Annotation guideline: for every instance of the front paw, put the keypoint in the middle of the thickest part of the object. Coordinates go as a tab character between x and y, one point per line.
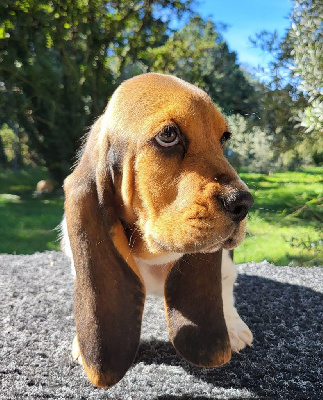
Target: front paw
239	333
76	354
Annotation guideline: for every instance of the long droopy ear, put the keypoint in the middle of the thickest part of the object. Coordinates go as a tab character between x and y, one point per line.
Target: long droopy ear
194	310
109	293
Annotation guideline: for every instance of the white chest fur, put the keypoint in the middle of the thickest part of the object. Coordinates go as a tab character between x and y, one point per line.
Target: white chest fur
154	272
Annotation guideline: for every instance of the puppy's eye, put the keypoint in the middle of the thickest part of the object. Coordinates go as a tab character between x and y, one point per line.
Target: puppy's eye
225	137
168	137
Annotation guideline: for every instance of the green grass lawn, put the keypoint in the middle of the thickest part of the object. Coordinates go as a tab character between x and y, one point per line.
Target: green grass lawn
27	223
283	226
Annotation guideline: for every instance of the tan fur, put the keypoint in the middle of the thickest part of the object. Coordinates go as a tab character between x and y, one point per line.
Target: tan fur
160	190
130	204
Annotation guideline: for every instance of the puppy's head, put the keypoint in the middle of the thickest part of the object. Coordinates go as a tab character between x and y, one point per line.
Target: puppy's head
176	190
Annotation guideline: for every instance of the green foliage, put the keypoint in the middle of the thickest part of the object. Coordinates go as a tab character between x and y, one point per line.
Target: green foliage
306	38
8	142
305	244
284	225
293	111
58	64
250	148
60	61
198	54
15	147
279	106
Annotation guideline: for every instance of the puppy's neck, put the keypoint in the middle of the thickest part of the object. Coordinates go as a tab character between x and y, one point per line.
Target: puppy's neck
152	267
159	260
154	271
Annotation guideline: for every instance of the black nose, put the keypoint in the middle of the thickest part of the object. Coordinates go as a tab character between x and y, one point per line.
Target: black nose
237	204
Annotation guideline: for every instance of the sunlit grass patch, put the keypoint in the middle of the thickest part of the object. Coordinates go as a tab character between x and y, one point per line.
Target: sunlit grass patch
284	226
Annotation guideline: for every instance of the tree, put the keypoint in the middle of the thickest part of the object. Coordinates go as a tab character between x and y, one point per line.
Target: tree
306	39
250	148
60	60
296	82
198	54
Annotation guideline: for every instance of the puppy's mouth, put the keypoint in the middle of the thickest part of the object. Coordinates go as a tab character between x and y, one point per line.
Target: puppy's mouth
228	238
205	242
230	243
236	237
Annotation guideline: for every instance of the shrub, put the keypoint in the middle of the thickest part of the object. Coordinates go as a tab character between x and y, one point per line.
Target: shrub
249	148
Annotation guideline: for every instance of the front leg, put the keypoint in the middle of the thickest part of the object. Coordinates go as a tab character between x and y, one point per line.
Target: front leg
239	333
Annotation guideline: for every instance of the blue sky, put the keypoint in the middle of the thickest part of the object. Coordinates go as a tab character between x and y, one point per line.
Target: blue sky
245	18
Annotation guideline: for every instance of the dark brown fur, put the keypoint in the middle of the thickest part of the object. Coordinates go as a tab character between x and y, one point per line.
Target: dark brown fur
194	310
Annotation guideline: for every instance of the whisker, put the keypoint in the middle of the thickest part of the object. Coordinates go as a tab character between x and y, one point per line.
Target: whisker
132	243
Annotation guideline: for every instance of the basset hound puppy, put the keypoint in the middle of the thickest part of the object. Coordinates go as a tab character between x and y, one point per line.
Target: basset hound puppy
153	207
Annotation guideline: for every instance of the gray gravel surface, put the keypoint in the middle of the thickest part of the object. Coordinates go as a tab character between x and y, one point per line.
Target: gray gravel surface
282	306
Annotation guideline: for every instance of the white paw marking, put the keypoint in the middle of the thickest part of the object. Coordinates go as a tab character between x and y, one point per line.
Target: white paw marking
76	354
239	334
